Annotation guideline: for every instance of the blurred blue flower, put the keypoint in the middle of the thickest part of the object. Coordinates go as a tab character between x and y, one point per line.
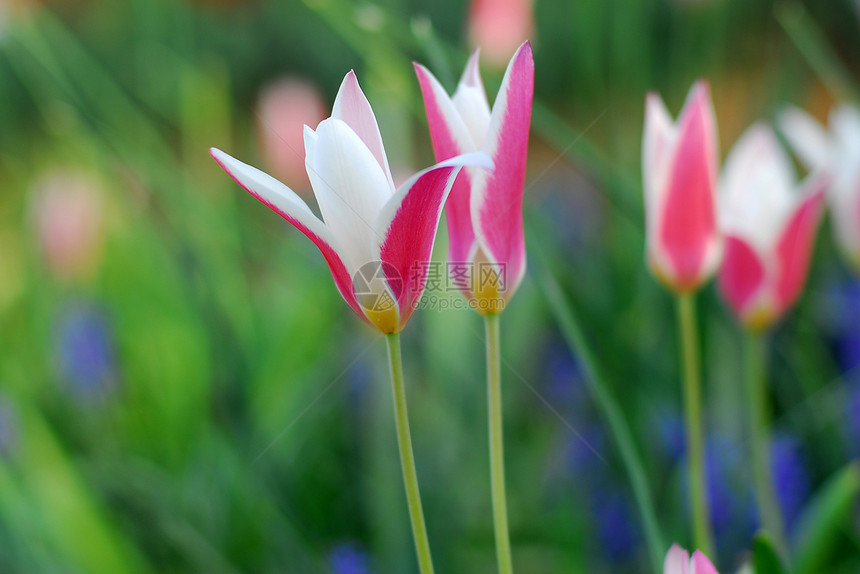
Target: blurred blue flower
617	529
671	433
349	559
582	452
843	302
85	351
562	375
790	477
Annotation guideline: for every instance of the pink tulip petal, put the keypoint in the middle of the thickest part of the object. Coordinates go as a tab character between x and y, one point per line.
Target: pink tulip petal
677	561
701	564
450	137
283	201
742	274
688	224
351	106
408	224
497	196
794	250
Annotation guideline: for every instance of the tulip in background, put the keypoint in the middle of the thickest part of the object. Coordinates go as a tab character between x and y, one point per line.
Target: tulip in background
499	26
485	221
68	214
679	174
284	107
838	151
770	227
372	236
683	244
679	561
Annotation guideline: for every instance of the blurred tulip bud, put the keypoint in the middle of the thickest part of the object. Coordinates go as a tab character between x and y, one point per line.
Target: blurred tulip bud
498	27
679	173
838	151
679	561
68	220
770	228
284	108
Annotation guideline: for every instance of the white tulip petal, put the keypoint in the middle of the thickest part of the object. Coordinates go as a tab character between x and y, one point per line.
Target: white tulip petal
350	187
757	187
274	193
470	100
807	138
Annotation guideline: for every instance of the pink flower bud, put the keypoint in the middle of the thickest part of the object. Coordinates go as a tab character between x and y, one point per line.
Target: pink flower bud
679	173
68	220
284	108
498	27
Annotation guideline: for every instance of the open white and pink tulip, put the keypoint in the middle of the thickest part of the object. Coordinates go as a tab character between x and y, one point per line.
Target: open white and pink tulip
679	171
679	561
837	150
484	212
770	222
369	229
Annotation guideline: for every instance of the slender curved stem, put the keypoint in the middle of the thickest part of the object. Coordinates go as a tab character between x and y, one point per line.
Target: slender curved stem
756	385
407	459
497	453
695	435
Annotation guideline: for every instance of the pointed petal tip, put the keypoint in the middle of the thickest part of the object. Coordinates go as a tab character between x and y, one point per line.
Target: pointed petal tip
525	47
221	157
472	73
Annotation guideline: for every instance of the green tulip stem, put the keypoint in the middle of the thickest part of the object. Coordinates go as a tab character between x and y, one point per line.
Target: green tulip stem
693	420
407	458
497	452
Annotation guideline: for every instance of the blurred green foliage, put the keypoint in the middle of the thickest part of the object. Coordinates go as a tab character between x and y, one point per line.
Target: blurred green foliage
200	400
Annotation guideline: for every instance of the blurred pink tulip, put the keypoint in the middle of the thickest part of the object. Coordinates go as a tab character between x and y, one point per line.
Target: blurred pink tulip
770	228
68	219
375	238
484	212
284	108
678	561
498	27
679	173
838	151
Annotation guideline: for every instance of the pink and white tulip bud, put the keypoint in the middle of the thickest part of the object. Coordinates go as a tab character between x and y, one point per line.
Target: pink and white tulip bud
68	219
837	151
679	173
484	212
376	239
770	228
678	561
498	27
283	109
